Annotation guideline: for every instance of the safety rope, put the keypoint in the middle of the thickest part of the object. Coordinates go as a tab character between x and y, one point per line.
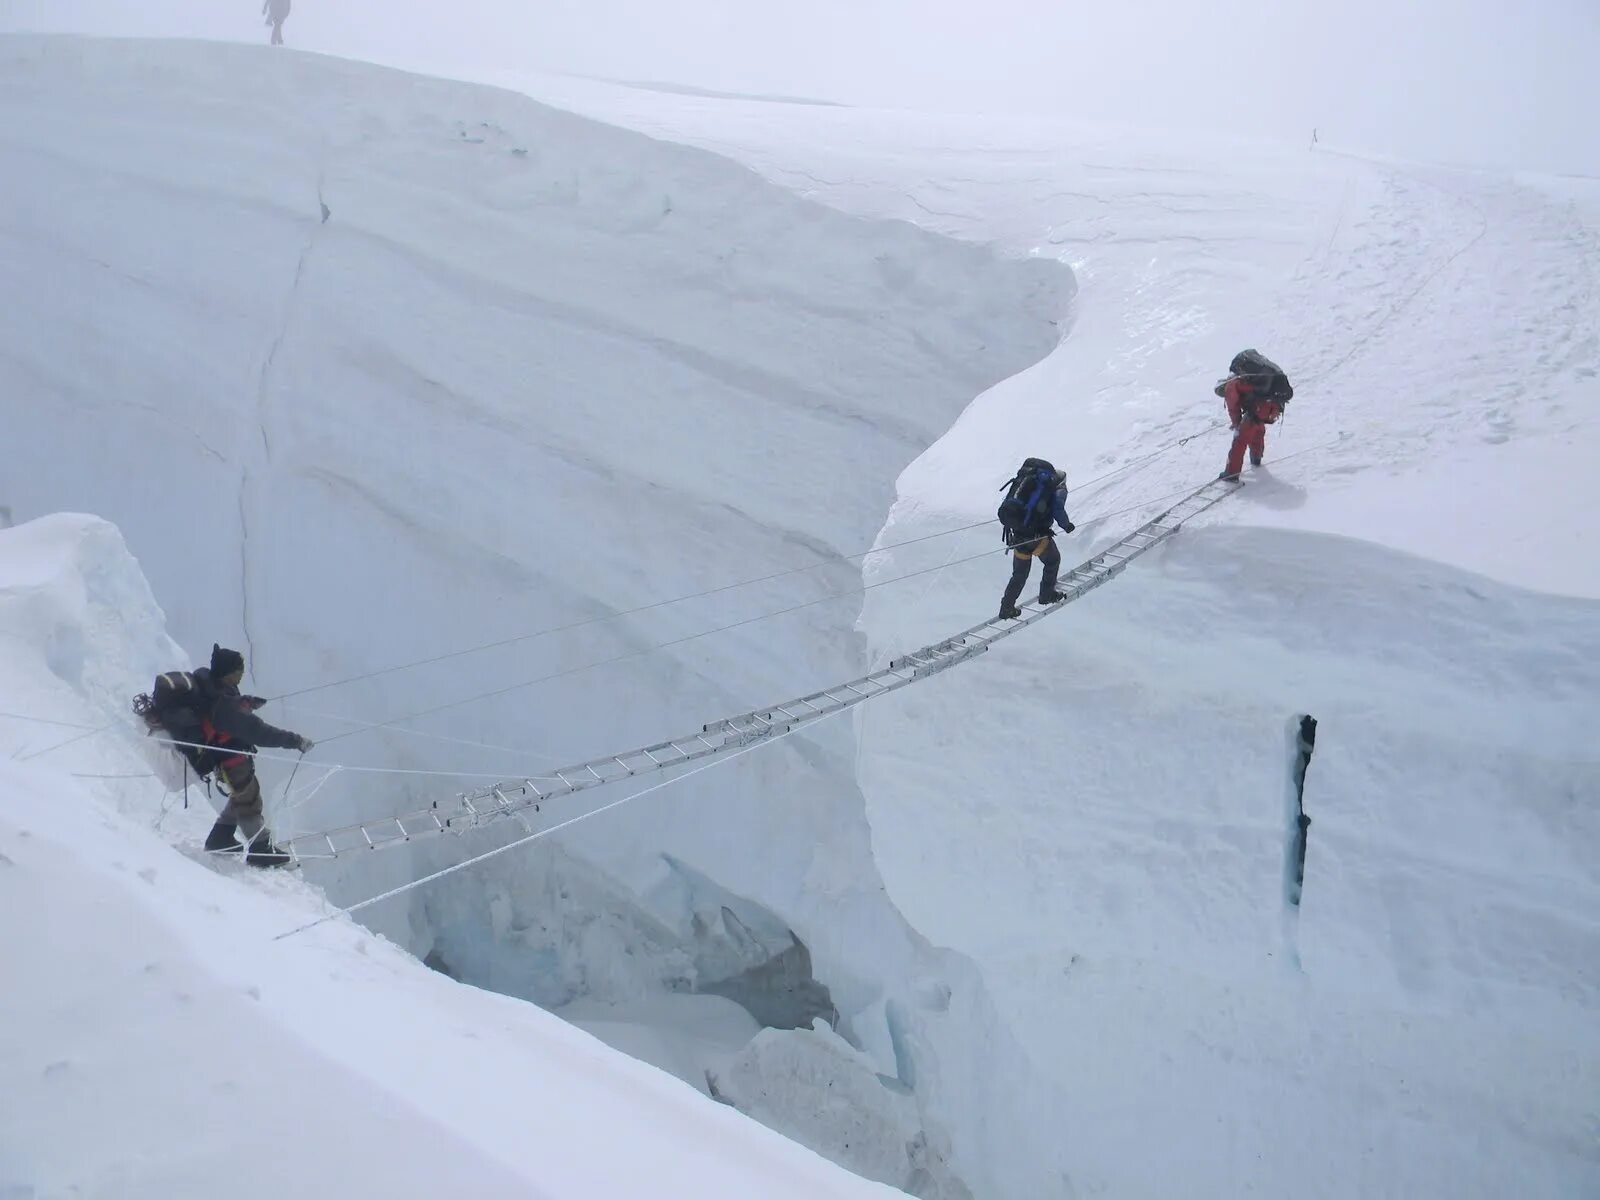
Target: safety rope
731	625
714	591
520	751
534	835
540	833
393	722
263	756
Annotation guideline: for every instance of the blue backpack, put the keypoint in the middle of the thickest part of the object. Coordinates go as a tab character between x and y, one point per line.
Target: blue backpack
1027	505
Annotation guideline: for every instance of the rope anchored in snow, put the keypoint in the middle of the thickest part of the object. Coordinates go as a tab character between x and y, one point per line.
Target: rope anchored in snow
643	651
733	735
549	631
532	835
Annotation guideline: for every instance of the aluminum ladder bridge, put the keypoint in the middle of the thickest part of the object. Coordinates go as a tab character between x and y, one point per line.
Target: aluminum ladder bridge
516	797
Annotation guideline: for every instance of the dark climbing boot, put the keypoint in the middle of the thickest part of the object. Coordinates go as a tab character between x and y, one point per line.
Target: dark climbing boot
1228	477
1255	460
1009	612
1051	597
222	838
264	854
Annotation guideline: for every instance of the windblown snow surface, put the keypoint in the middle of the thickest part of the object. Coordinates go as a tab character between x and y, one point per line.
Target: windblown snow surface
1096	814
368	367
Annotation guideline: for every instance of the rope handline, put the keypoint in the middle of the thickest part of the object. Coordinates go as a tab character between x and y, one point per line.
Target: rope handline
395	721
765	736
263	756
614	616
807	604
46	721
534	835
421	733
1172	445
546	832
89	732
71	741
727	587
290	803
642	651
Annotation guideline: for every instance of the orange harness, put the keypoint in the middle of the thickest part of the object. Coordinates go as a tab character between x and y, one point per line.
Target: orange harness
219	740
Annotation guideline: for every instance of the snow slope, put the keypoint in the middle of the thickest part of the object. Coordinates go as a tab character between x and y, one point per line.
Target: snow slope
370	367
1093	815
160	1041
1445	322
1096	813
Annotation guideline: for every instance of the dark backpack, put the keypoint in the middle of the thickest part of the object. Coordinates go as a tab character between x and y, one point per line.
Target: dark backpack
1027	505
1267	378
178	706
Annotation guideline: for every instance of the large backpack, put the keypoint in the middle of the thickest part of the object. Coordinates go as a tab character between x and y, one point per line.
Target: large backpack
178	706
1267	379
1027	505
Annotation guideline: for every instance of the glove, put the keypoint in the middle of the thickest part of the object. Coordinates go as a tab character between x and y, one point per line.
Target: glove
1068	527
306	745
252	702
1234	427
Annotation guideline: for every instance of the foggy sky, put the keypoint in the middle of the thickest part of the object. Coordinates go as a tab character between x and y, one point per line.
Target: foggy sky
1472	81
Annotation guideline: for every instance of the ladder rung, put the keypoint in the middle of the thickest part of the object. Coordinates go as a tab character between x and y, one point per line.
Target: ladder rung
489	803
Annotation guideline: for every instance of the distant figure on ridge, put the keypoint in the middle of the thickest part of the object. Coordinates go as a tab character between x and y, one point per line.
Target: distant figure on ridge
1255	393
277	12
1036	498
205	711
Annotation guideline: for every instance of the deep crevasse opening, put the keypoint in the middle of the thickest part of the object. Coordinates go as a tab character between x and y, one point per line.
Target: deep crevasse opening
1122	904
444	365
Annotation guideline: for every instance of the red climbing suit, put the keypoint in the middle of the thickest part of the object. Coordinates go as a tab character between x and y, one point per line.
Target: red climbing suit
1249	417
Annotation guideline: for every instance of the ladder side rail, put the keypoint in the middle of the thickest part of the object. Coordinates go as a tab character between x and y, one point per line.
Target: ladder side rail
729	733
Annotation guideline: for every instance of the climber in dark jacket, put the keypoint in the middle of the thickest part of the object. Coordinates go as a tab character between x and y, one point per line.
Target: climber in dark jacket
232	726
1033	538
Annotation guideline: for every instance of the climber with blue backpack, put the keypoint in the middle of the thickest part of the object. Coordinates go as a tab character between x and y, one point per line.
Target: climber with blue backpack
1036	498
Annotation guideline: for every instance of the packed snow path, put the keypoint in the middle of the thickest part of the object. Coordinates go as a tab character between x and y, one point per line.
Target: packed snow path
515	797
